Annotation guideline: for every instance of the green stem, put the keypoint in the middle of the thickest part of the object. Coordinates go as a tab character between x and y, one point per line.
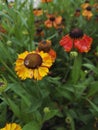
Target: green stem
54	35
76	69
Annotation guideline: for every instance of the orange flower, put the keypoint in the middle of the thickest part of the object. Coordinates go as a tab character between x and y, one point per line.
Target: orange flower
45	46
77	40
46	1
85	5
38	12
53	21
87	13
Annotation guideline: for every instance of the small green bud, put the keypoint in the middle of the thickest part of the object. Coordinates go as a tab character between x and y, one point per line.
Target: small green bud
9	43
86	71
46	110
25	32
68	120
73	54
3	85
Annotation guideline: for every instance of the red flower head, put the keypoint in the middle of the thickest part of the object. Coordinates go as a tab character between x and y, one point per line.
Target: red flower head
76	39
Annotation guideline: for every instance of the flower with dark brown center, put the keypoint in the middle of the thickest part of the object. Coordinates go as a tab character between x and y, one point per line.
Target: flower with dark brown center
87	13
32	61
44	46
85	4
37	11
76	39
33	65
53	21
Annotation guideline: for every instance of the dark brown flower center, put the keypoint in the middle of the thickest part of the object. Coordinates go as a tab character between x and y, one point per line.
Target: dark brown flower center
39	30
52	18
88	8
76	33
87	1
78	10
37	9
32	61
44	46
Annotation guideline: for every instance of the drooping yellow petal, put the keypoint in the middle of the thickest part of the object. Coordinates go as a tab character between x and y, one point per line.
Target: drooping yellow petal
23	55
47	60
43	71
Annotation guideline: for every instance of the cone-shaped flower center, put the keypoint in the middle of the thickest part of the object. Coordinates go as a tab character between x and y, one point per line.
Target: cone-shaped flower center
39	30
32	61
87	1
78	10
76	33
44	46
88	8
52	18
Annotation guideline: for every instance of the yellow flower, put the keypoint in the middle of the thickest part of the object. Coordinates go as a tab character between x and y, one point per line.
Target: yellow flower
33	65
12	126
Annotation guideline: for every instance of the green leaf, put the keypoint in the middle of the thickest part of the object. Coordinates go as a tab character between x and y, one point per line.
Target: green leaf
64	91
32	126
16	87
13	106
50	114
91	67
93	89
93	105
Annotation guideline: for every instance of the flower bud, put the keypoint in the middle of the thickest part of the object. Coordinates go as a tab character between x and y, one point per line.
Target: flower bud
3	85
73	54
46	110
68	120
25	32
9	43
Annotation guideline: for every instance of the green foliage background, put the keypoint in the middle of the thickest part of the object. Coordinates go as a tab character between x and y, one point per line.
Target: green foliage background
68	98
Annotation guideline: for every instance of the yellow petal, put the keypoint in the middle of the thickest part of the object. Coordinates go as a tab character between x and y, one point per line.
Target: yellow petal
43	71
23	55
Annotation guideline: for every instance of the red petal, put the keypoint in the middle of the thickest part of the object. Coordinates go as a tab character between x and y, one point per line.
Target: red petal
84	44
67	43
